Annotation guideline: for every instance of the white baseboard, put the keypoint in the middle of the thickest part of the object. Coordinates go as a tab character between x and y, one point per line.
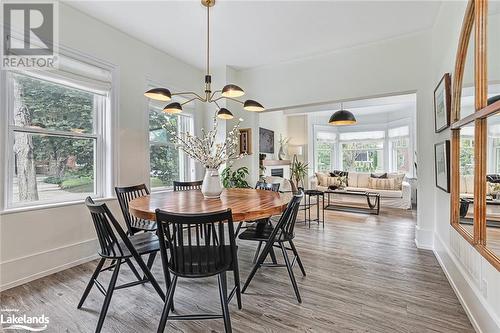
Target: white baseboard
482	318
424	238
28	268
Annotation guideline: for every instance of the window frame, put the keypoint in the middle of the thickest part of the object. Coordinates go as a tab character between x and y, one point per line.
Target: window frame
337	154
392	151
104	135
366	141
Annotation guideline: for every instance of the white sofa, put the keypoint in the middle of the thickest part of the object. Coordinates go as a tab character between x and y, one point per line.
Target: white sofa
358	181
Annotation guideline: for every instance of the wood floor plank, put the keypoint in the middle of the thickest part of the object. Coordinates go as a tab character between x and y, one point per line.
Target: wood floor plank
364	274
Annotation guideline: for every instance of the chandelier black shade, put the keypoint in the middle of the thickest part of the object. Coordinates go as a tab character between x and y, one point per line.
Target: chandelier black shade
173	108
232	90
159	94
225	114
254	106
228	92
342	117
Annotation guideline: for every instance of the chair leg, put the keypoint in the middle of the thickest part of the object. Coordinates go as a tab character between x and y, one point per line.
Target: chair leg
273	256
223	300
166	272
290	272
133	269
255	267
168	305
149	276
294	249
257	253
91	282
107	298
236	272
238	228
151	260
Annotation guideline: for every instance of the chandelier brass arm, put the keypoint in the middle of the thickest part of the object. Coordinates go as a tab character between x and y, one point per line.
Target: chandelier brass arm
229	91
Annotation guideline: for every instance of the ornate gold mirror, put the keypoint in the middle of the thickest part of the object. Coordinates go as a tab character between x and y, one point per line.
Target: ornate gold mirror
475	146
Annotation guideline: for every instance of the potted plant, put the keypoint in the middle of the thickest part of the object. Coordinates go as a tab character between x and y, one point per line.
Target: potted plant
299	171
235	179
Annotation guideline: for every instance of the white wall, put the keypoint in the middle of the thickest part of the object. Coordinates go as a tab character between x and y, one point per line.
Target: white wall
389	67
299	133
274	121
37	242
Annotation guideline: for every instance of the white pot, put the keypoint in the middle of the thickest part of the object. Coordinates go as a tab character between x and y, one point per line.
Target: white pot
211	187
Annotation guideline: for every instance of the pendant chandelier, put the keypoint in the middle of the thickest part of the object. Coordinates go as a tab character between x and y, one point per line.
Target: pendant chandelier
228	92
342	117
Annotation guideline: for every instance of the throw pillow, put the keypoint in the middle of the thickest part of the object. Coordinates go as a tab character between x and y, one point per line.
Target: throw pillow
399	177
339	173
333	181
379	175
322	178
382	183
493	178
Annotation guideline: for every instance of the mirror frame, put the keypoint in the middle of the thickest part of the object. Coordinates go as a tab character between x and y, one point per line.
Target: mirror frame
476	16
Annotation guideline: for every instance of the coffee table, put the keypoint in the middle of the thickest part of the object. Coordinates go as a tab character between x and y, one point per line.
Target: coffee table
372	201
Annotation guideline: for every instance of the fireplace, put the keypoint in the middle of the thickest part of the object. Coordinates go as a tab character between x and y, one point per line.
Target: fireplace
277	172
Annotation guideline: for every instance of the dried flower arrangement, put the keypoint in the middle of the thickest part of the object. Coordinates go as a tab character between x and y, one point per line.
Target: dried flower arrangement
205	150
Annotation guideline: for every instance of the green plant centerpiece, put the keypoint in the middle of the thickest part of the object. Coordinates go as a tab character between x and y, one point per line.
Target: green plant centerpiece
299	171
235	179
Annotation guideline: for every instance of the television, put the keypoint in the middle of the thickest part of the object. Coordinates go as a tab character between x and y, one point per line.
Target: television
266	141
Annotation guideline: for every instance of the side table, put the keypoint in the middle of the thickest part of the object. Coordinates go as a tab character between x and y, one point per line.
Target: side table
307	206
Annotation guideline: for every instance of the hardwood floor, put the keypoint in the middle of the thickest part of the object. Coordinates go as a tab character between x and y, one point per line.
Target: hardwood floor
364	274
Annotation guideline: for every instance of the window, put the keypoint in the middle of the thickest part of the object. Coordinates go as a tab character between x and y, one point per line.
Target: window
466	155
325	142
363	151
56	138
399	141
167	163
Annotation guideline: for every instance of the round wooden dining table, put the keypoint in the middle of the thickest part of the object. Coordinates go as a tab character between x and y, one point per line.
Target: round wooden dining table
245	204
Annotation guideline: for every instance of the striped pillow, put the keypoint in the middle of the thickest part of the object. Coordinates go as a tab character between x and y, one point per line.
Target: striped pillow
382	183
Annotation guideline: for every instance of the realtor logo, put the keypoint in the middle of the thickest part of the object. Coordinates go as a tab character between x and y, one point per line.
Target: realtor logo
29	35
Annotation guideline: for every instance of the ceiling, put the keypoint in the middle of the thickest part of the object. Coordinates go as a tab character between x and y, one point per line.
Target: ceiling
247	34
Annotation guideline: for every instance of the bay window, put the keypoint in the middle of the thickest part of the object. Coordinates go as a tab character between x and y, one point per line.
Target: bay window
325	143
399	142
371	150
362	151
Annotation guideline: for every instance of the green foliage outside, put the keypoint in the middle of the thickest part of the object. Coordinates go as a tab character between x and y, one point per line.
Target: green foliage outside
80	184
466	156
164	156
56	107
324	156
354	150
235	179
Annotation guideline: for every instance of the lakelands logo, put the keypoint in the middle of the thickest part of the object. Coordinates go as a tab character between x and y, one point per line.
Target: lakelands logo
29	34
15	321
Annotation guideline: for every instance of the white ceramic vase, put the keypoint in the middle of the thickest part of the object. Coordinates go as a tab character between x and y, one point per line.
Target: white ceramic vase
211	187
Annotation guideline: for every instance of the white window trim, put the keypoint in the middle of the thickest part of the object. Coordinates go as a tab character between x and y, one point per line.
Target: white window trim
387	164
109	145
